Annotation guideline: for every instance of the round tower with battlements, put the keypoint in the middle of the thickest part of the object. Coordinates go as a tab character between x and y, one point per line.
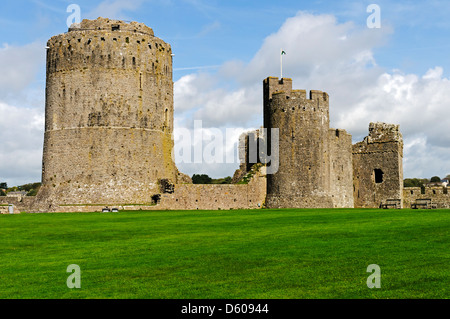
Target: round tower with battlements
108	115
303	178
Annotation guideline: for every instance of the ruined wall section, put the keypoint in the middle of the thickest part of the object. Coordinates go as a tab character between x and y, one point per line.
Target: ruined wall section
438	195
251	148
378	166
341	168
21	204
109	114
214	197
194	197
303	177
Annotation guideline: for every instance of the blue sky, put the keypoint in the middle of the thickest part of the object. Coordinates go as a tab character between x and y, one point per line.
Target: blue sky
223	50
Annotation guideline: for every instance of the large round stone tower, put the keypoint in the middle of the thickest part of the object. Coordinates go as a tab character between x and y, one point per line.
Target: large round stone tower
108	115
313	159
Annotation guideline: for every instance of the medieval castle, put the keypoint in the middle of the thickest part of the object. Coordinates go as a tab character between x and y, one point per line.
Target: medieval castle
108	137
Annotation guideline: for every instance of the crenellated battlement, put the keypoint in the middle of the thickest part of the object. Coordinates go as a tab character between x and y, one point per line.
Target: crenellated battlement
103	48
383	132
105	24
275	86
109	96
315	161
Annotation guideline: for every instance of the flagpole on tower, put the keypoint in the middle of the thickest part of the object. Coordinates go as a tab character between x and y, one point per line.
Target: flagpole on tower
281	63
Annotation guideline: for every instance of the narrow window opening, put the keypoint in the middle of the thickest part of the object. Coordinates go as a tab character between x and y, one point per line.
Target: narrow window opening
156	199
378	175
166	117
115	27
422	190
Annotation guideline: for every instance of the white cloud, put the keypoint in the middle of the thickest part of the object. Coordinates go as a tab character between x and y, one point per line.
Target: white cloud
21	113
21	136
19	66
337	58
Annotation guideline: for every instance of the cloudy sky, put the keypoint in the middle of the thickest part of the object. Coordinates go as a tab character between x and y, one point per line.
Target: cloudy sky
398	73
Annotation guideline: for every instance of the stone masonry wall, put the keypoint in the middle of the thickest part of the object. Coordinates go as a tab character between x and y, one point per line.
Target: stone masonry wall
23	204
225	196
377	166
193	197
109	115
341	168
438	195
306	177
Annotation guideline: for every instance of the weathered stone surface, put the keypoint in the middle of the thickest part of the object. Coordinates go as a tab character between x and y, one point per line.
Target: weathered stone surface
438	195
314	160
109	115
24	204
378	166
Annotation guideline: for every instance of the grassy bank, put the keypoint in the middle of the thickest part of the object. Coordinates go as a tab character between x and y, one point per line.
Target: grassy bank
287	253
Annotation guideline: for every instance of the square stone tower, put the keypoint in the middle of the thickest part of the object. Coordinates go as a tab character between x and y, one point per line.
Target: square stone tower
378	166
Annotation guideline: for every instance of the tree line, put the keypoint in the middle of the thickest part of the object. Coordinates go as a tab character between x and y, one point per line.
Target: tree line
31	188
205	179
420	182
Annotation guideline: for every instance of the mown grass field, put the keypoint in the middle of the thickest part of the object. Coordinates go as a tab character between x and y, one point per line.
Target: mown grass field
287	254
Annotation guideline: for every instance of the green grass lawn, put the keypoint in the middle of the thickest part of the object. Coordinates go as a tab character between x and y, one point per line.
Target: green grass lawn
305	253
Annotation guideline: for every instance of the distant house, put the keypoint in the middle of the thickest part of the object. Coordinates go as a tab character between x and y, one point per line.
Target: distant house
445	182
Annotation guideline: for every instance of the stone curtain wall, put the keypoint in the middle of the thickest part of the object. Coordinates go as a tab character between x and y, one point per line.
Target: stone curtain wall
436	194
25	204
225	196
191	197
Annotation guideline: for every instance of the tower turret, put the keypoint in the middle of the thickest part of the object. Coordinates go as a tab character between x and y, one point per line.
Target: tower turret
109	114
304	177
